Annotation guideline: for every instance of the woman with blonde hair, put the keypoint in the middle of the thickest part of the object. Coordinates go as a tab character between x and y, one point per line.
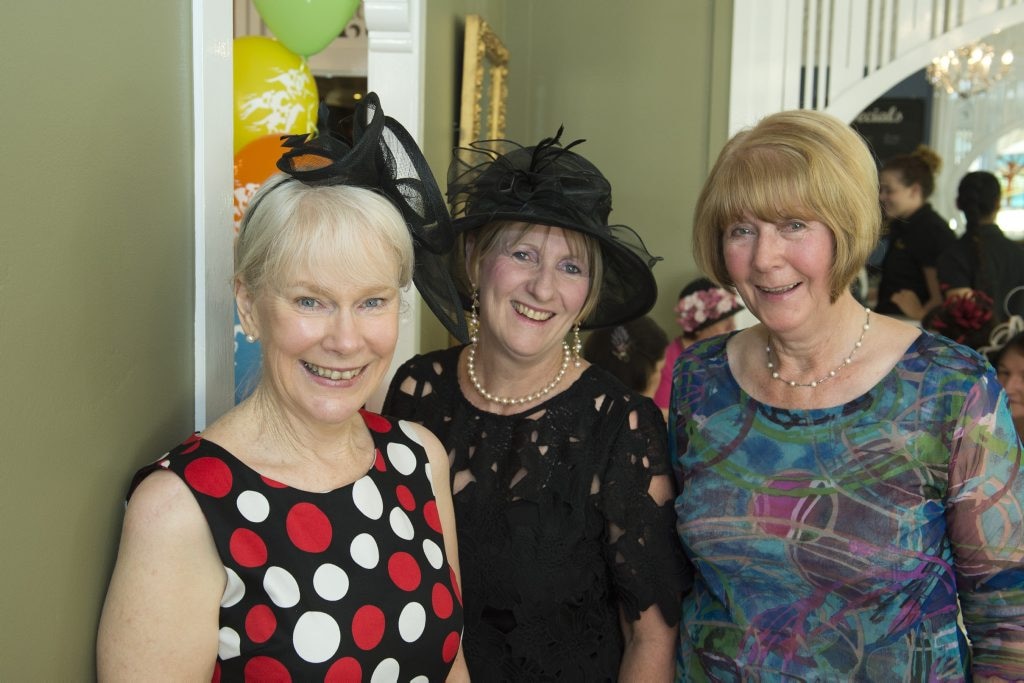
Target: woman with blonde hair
850	484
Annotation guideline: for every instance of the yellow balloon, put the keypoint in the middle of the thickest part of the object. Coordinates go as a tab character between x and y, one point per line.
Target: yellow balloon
274	91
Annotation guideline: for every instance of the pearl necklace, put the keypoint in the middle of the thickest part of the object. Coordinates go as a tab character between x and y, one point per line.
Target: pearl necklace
471	371
832	373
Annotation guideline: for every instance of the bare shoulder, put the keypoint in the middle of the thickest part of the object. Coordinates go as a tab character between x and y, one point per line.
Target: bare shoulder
431	444
162	501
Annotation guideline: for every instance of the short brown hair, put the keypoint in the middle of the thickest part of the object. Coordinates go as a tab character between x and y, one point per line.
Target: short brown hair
794	164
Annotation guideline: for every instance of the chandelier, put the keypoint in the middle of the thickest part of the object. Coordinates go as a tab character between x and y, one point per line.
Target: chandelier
968	70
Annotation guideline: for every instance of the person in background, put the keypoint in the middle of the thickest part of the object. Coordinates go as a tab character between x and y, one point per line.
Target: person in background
849	483
704	310
983	258
562	487
917	235
300	537
634	352
1009	364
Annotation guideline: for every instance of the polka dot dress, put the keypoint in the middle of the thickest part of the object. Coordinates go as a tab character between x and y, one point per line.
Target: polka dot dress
348	585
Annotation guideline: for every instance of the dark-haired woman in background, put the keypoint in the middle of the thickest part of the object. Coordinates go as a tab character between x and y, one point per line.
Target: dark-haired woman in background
634	352
983	259
917	235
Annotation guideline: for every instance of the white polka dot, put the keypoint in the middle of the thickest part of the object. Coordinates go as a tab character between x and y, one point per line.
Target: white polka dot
420	679
229	643
330	582
366	496
234	589
402	458
253	506
410	431
430	476
316	637
401	525
386	672
165	463
281	587
411	622
364	551
433	553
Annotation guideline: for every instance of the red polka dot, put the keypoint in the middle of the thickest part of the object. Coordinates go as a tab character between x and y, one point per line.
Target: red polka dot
405	497
404	571
260	623
345	670
209	475
216	673
269	669
247	548
441	599
308	528
451	646
273	483
376	423
368	627
379	463
430	514
455	584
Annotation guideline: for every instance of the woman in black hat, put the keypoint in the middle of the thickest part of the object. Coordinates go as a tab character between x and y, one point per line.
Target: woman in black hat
300	537
562	489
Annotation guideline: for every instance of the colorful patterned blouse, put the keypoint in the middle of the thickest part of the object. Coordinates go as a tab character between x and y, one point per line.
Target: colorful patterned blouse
833	544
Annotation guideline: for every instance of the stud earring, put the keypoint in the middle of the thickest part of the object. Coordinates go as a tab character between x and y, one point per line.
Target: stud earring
250	338
577	345
474	315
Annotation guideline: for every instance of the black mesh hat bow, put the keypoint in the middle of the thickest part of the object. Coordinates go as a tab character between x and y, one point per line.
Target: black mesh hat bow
382	156
550	184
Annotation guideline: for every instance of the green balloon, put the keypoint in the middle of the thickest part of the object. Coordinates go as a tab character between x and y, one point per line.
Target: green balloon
306	26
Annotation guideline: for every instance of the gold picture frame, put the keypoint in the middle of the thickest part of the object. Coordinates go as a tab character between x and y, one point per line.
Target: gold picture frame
484	83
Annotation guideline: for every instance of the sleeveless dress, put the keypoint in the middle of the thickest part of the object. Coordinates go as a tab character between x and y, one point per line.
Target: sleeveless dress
840	544
558	534
347	585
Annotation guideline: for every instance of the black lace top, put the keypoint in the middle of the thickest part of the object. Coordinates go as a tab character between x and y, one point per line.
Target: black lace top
557	530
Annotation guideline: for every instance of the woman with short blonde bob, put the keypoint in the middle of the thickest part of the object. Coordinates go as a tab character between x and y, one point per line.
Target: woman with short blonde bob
301	536
849	483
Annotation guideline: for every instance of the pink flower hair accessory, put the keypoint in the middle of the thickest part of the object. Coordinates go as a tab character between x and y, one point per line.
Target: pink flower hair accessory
702	303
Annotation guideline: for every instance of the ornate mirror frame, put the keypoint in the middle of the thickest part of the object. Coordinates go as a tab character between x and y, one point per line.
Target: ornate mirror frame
484	83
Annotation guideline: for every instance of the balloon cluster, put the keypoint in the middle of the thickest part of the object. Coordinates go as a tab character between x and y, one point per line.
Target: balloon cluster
275	95
274	90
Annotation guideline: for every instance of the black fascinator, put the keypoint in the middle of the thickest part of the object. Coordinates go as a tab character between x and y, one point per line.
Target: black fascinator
382	156
550	184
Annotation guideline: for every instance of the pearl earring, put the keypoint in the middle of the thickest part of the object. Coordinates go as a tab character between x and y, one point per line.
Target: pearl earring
250	338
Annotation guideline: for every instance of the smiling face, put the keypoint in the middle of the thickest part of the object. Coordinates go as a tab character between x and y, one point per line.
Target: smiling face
1010	371
781	270
327	342
898	199
533	285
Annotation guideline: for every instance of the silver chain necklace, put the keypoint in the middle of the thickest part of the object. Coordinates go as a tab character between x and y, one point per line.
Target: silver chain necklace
475	381
832	373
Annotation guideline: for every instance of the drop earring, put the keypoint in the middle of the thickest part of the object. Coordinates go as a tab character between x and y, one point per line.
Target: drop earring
577	345
474	315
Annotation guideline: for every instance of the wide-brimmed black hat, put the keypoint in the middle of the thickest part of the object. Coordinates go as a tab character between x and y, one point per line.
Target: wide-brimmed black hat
548	184
382	156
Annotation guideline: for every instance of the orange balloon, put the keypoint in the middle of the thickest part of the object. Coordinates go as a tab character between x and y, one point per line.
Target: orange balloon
254	163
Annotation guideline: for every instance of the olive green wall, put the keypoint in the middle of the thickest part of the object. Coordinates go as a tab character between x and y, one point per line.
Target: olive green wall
96	301
645	83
